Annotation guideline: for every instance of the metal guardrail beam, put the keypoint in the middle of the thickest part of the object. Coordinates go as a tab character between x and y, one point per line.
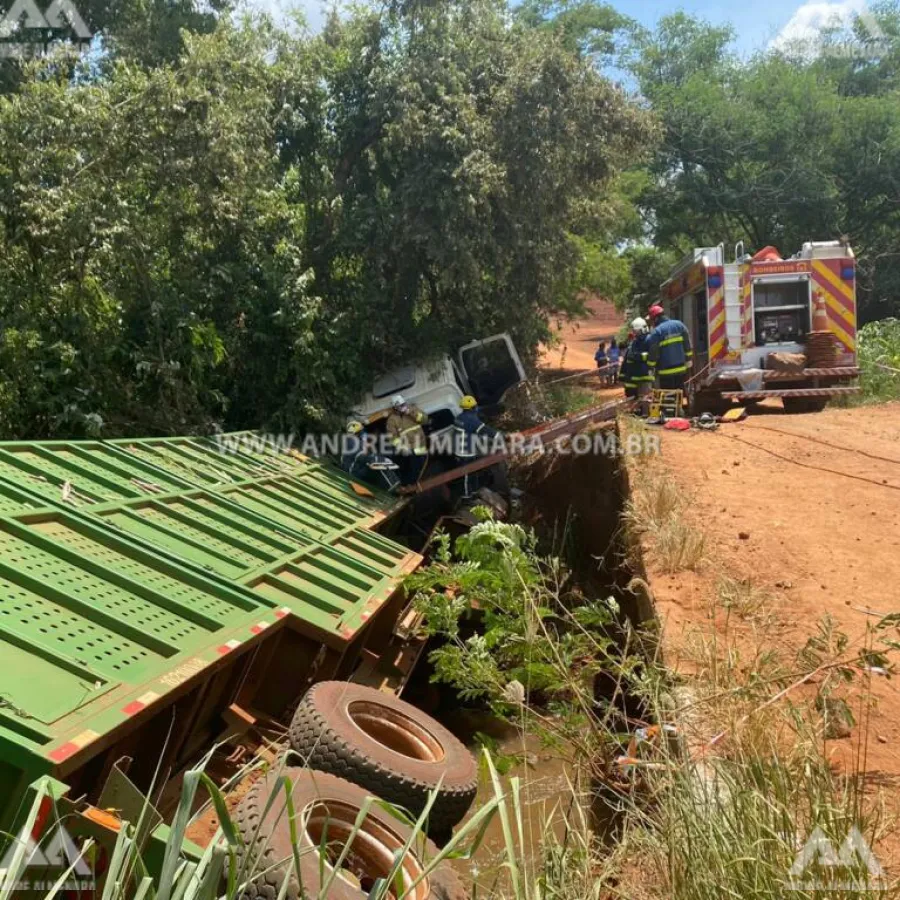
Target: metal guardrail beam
547	433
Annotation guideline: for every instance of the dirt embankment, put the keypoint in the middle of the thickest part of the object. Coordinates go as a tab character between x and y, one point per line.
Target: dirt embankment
807	509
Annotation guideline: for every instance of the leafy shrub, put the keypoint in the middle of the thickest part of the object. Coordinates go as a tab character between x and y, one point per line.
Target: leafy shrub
879	347
520	636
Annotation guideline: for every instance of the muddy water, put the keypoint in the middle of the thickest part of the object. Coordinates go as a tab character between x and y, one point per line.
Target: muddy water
547	793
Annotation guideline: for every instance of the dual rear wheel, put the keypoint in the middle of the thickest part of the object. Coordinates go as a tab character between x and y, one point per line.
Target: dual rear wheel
323	851
356	742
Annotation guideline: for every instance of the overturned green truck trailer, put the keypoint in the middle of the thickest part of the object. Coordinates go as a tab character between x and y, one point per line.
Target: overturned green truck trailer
155	594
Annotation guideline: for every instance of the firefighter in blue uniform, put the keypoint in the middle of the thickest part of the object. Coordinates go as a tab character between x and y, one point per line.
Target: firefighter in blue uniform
636	373
361	461
472	439
669	353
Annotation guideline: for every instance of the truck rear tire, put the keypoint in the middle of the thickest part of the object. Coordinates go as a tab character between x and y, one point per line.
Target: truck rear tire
327	806
388	747
804	404
708	402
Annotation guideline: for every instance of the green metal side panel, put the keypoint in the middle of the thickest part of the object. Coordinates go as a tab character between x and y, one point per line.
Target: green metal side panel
82	473
13	500
328	586
129	569
206	462
251	447
336	588
307	503
94	628
205	529
304	496
289	511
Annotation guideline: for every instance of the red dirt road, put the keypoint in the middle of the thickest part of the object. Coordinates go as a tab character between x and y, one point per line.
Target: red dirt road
577	340
821	524
817	500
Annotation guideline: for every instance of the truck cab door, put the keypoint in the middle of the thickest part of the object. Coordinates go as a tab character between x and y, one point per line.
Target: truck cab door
491	367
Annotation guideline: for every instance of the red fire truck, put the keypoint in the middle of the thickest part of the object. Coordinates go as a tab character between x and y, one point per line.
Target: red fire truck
763	326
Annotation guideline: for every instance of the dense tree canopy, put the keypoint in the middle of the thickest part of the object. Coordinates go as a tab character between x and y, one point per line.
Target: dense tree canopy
208	221
249	234
793	145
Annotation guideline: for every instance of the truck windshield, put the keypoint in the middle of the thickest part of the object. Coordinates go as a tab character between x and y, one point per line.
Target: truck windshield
394	382
491	370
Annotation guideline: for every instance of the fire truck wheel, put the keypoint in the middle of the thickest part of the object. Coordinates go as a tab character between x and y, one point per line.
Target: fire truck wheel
804	404
707	402
325	812
388	747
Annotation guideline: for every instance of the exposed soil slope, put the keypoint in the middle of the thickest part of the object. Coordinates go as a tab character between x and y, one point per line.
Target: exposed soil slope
808	508
577	340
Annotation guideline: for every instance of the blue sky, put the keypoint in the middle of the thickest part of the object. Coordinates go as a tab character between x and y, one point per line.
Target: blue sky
758	24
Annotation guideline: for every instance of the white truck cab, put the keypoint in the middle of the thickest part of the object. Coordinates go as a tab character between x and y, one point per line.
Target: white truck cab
486	369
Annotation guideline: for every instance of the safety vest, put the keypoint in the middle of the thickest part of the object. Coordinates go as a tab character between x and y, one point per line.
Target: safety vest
669	348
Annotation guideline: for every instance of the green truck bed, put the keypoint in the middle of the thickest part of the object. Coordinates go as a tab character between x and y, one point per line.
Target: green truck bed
136	576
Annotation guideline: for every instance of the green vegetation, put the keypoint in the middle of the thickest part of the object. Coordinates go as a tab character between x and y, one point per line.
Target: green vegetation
216	224
249	233
521	636
719	792
794	144
879	359
711	792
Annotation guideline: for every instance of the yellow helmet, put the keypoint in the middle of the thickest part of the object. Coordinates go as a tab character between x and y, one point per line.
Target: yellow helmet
468	402
354	427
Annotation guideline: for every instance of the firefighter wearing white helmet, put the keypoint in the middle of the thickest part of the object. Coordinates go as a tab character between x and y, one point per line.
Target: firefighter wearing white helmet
404	427
636	374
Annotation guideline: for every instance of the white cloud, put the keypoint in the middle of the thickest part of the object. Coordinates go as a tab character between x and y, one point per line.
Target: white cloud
806	25
313	10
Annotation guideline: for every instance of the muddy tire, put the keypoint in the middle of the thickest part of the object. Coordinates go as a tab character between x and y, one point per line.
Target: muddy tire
708	402
804	404
388	747
328	806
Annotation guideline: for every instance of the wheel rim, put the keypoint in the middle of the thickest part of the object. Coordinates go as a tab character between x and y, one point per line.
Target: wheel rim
396	731
368	851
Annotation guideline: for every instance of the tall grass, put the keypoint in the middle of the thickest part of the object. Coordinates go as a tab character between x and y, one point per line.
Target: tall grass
225	870
713	794
705	812
658	513
723	782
